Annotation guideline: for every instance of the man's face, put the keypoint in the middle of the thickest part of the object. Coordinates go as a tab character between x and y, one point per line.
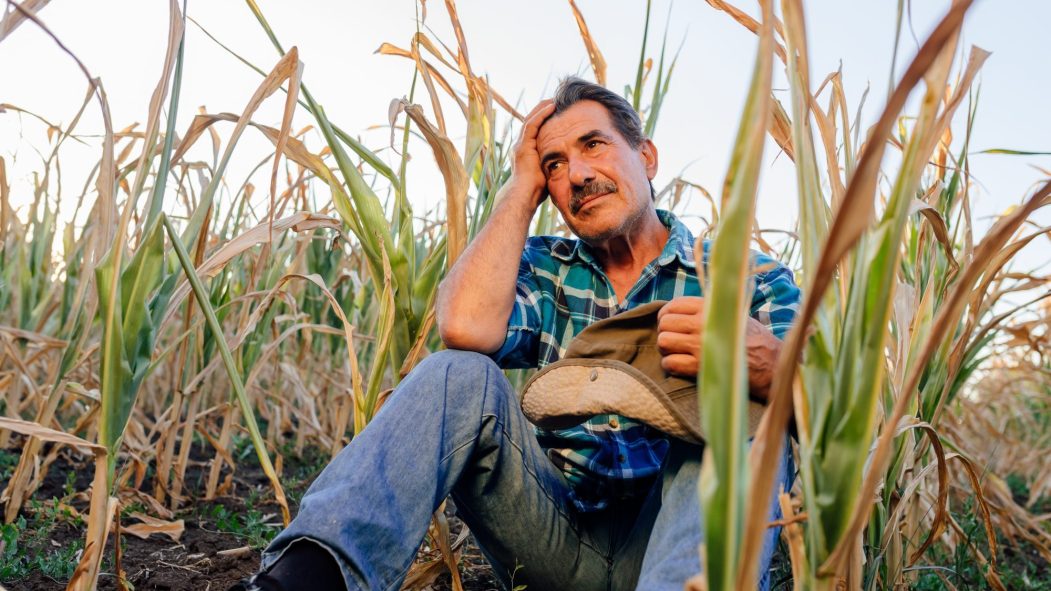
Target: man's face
597	181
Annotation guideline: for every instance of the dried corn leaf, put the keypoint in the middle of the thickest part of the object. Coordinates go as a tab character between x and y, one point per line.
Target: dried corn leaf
456	181
152	525
598	63
15	14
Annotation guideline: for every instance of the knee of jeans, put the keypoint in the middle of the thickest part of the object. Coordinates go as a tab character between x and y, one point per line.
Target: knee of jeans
465	373
465	361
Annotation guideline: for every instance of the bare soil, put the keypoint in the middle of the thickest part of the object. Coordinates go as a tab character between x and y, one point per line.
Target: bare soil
205	558
158	563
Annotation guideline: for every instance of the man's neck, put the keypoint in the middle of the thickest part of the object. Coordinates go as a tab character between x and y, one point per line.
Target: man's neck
625	256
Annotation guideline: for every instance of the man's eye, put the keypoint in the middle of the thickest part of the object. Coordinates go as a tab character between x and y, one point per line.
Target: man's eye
553	167
592	144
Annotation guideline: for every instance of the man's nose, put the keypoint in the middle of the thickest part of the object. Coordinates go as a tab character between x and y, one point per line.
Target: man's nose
580	173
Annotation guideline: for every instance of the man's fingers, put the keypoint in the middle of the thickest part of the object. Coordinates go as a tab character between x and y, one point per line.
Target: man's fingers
680	323
526	140
537	116
669	343
682	305
680	365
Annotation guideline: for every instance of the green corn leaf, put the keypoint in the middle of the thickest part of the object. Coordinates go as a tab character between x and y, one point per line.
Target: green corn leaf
370	157
371	227
430	274
636	94
843	437
723	378
377	240
385	331
114	371
156	201
137	281
660	86
128	331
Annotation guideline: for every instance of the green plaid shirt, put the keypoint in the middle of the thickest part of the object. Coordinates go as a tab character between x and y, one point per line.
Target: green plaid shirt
562	289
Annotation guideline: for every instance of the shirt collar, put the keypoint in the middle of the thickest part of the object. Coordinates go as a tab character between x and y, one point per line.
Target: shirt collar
679	245
680	242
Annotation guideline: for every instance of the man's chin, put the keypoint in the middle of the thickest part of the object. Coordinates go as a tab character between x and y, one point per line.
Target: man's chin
602	224
596	233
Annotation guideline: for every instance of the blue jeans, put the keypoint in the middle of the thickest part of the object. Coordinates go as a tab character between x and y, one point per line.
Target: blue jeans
454	427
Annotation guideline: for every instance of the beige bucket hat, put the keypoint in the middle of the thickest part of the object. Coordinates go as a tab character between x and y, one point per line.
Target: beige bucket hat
614	367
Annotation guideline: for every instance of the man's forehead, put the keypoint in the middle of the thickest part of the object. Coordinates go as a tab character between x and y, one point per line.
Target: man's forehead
578	120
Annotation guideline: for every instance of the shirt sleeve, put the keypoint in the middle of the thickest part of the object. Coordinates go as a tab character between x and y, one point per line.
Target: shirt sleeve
775	300
521	344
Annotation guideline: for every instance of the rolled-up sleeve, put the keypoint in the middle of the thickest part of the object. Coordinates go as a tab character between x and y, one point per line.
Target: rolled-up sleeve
775	300
523	327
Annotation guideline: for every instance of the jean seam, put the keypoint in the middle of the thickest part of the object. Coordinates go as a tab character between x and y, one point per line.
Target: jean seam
521	453
532	473
470	440
536	478
564	515
395	585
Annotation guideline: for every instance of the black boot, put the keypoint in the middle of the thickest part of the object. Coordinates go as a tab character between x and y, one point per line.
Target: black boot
305	566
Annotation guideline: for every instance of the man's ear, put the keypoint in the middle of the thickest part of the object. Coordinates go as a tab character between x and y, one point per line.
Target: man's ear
648	153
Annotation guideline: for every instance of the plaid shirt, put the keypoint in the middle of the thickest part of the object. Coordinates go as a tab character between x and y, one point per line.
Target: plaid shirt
562	289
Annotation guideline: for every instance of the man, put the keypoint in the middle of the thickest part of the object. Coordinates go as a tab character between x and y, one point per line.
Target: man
610	504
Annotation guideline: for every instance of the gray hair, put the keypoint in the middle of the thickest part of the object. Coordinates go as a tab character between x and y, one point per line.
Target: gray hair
572	90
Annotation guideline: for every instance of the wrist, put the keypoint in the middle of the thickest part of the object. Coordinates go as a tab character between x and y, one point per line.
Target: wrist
524	192
763	349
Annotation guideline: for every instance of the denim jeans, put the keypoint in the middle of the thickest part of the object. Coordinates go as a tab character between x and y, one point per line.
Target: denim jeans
454	427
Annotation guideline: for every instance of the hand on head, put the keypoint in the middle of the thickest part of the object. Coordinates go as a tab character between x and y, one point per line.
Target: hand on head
527	178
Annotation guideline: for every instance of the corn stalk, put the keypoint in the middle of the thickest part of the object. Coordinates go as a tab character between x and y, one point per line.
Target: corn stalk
723	383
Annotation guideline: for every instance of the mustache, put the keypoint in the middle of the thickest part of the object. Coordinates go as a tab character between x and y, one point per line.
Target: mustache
596	187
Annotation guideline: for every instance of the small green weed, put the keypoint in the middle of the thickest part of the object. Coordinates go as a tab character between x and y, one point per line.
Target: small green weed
11	564
514	587
251	525
8	462
26	546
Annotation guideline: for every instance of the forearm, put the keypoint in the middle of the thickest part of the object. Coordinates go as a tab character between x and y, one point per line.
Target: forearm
476	296
762	349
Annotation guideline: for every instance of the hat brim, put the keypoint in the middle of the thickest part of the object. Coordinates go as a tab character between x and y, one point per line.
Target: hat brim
571	391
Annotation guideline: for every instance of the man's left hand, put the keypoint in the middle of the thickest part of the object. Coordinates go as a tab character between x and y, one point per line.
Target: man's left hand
680	326
680	332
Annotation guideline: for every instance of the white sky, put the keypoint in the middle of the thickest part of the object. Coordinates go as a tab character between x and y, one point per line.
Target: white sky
524	47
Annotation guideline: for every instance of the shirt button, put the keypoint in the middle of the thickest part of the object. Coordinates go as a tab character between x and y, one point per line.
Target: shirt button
594	375
613	422
620	458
